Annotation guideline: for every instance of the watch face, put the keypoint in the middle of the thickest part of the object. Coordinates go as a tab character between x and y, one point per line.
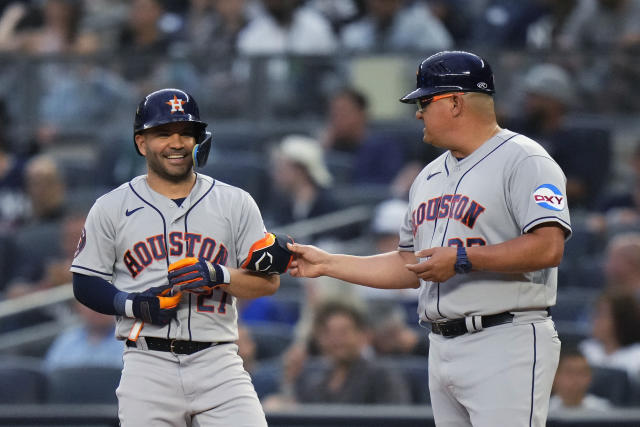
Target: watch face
462	266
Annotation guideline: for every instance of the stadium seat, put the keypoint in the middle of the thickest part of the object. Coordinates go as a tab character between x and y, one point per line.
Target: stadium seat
22	380
267	376
83	384
271	338
574	304
241	168
415	371
612	384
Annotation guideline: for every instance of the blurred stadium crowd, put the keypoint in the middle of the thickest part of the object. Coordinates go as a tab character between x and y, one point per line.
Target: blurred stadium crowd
302	100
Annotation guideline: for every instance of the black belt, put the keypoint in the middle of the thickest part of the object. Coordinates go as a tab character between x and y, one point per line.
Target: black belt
175	346
455	328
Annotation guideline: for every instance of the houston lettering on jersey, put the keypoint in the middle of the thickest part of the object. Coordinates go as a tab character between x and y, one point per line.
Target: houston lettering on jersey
455	206
144	252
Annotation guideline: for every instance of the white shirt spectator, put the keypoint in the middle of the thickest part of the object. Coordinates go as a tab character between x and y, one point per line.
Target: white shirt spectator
414	27
309	33
589	403
626	358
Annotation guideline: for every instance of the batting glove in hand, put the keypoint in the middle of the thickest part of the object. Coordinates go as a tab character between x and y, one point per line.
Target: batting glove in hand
197	275
269	255
154	305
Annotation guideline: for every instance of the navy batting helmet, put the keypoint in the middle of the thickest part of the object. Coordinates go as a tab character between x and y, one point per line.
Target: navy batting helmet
451	71
170	106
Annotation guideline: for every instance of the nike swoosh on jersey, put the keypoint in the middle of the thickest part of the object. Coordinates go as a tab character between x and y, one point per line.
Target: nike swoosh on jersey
432	175
129	212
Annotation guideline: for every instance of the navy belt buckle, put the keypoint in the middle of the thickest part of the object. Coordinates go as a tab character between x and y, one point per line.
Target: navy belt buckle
171	346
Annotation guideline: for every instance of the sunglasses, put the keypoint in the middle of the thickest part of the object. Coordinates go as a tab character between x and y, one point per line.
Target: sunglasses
424	102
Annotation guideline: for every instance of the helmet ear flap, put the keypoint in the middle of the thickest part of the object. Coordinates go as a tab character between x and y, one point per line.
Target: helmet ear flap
201	150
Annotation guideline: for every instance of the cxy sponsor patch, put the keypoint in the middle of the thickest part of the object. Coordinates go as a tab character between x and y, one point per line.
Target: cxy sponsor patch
549	197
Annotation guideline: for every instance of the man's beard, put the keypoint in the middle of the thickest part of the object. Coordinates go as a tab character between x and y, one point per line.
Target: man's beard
164	173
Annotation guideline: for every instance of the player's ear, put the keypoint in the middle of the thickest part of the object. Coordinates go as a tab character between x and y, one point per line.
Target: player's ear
457	104
141	144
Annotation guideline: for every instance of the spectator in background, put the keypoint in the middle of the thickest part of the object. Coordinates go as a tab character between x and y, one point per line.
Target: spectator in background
611	26
105	18
143	41
571	384
301	180
456	16
60	31
338	12
39	239
46	189
391	334
620	212
89	342
601	25
392	25
549	99
615	341
622	264
544	32
56	267
287	27
213	27
343	374
376	157
503	23
14	203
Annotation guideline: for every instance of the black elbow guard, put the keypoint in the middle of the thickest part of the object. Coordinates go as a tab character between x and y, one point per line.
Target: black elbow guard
269	255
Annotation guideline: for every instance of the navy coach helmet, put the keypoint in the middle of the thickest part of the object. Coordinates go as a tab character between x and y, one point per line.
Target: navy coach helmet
169	106
451	71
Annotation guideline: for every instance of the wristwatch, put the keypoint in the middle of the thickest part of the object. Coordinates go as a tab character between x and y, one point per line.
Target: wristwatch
462	265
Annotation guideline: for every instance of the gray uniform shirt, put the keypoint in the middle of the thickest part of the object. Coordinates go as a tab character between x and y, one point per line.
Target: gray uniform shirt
502	190
133	233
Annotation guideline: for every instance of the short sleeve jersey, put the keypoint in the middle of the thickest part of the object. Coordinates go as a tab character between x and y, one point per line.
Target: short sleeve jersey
502	190
132	234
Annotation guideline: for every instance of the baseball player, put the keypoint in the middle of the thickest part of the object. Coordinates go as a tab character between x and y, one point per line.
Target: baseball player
164	253
482	237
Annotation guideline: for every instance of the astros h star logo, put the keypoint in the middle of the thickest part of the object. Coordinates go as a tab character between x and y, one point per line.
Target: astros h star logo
176	104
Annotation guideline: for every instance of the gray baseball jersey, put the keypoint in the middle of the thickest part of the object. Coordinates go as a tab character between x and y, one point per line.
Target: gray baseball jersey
502	190
133	233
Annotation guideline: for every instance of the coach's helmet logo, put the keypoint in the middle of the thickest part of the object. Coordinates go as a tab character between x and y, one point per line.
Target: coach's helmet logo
482	85
176	104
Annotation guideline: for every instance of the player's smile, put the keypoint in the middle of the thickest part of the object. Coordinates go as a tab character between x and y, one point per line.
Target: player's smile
178	159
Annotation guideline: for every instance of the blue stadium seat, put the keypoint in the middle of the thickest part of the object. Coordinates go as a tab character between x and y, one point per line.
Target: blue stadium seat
22	380
83	384
271	338
267	376
415	371
612	384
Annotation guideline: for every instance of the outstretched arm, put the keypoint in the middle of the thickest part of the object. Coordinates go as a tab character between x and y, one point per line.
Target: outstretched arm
385	271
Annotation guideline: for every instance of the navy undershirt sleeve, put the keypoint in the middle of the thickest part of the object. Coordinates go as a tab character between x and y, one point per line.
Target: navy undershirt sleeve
95	292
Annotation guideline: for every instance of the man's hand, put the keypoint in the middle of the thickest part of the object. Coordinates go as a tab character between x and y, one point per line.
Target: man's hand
197	275
155	305
438	267
308	261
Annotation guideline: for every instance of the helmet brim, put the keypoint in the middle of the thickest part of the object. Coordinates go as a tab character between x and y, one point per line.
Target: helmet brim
422	92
